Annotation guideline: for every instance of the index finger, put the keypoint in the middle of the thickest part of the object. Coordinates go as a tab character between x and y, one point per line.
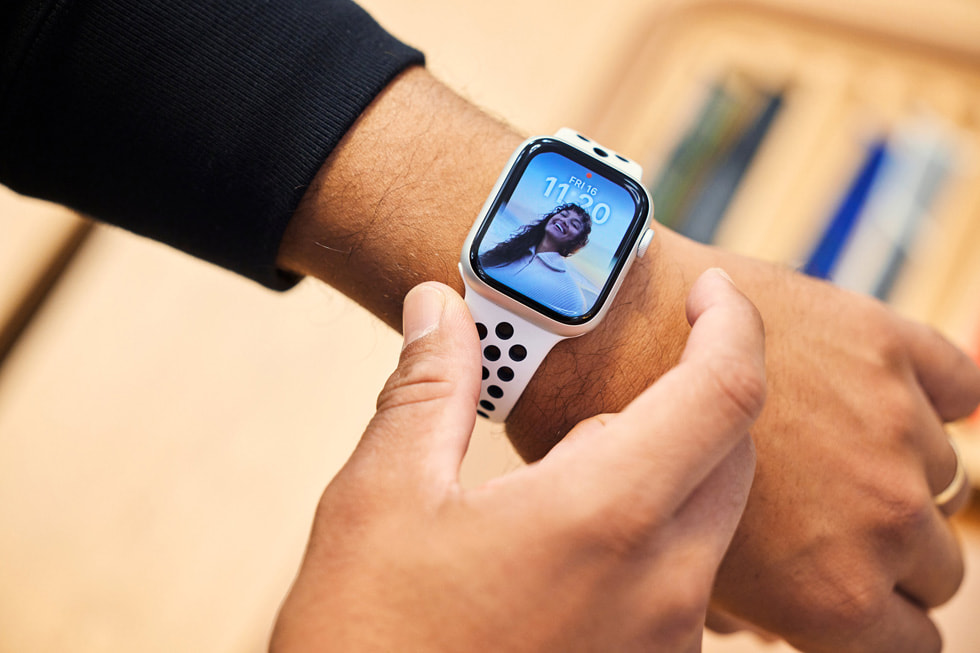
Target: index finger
675	433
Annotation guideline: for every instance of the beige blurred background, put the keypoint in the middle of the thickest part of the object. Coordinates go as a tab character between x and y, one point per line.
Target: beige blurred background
166	427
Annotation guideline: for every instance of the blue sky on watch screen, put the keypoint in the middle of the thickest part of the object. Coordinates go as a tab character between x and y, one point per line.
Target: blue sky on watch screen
554	240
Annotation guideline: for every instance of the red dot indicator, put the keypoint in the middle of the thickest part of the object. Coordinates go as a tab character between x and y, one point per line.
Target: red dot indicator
588	175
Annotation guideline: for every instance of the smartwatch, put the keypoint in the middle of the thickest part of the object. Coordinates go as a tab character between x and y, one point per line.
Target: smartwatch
546	257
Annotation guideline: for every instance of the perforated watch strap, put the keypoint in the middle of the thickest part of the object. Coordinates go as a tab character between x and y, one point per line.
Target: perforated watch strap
512	349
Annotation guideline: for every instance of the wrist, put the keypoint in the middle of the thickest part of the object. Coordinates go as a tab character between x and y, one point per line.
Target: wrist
391	208
641	338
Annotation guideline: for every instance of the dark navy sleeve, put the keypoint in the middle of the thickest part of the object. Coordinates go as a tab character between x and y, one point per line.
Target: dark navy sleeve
198	123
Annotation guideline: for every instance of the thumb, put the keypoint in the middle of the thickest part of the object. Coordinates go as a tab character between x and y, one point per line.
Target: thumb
427	409
677	432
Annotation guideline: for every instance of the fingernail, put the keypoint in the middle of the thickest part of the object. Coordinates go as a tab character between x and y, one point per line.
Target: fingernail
422	312
723	274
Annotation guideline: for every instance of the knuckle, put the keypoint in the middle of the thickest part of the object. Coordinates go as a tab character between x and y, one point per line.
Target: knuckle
334	508
898	415
741	384
891	345
417	379
682	613
674	615
954	579
854	607
905	514
898	409
935	340
858	613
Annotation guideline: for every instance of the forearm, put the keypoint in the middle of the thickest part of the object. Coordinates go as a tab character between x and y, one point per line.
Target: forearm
392	204
391	208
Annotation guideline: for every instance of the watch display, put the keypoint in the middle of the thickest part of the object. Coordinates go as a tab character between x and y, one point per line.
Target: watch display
559	231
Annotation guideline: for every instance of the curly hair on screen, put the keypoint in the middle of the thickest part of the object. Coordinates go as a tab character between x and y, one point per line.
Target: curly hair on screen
530	235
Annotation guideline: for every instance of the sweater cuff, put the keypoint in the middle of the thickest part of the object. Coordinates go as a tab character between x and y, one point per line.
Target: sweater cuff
196	123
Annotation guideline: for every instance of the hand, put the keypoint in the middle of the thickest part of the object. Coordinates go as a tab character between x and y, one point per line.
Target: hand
840	547
609	543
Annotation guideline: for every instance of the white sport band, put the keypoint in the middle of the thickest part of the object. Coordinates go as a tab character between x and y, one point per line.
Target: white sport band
512	349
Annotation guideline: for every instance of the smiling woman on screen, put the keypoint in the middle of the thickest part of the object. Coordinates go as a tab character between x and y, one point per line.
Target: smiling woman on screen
532	261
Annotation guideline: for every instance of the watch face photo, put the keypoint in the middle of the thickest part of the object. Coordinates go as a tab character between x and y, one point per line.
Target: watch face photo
559	231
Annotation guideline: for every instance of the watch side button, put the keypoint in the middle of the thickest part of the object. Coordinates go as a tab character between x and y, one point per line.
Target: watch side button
644	244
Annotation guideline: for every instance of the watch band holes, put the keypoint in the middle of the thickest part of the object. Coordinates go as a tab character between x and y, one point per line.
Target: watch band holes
504	330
